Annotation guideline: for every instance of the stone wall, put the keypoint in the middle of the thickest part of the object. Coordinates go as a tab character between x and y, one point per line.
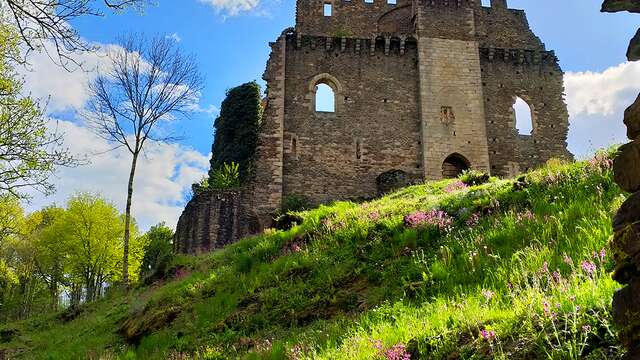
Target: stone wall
423	88
374	129
214	219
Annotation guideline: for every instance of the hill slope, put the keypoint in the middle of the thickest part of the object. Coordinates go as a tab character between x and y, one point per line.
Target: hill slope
507	269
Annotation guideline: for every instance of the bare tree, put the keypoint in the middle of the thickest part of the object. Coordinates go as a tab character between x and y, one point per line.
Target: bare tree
47	21
148	82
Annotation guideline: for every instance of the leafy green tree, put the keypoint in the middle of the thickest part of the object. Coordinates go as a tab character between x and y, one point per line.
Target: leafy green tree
237	128
158	252
29	151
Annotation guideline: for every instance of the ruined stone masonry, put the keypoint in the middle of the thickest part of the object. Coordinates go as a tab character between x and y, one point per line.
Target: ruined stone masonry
626	224
421	89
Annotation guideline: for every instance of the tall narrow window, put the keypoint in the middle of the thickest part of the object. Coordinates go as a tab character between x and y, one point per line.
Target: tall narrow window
325	99
524	118
358	150
294	148
328	10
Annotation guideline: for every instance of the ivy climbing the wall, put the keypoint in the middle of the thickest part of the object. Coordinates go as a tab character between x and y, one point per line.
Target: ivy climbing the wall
236	129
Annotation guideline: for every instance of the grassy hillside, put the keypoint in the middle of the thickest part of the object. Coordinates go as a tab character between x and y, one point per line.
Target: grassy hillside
509	269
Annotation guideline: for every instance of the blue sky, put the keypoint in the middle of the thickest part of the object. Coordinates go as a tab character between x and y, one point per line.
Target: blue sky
229	39
234	49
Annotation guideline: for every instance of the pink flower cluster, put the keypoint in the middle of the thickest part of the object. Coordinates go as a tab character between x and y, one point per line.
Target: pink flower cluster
474	219
396	352
434	218
601	161
488	294
294	246
527	215
589	267
488	335
455	186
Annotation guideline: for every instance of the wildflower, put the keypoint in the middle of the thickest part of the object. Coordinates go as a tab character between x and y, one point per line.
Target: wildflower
586	328
573	298
545	308
588	267
603	254
474	219
567	260
488	294
545	267
435	218
374	216
488	335
397	352
557	277
455	186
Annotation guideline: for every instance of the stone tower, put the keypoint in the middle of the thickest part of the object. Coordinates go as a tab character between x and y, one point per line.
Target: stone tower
426	87
420	88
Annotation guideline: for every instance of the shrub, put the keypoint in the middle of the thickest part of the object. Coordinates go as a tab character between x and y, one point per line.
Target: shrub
226	177
474	177
294	202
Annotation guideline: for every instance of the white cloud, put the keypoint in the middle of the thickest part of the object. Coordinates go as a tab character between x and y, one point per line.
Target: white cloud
164	174
596	102
602	93
232	7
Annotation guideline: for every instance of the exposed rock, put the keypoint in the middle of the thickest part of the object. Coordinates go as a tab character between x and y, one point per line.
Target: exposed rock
632	118
633	52
391	180
621	5
626	313
629	213
144	323
626	167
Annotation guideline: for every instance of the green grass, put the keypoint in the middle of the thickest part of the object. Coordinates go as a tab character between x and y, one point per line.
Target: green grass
353	280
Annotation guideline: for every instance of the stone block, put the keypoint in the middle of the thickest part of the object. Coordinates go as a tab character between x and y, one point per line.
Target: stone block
632	118
626	314
626	167
628	214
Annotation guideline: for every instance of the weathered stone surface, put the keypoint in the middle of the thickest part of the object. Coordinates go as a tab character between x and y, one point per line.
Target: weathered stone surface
414	84
626	313
392	180
214	219
621	5
626	167
628	214
632	120
633	52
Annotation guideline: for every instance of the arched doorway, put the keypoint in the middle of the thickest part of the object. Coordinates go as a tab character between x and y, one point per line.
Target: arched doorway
454	165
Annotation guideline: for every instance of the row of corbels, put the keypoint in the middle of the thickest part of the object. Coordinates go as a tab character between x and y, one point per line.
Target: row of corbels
521	55
328	43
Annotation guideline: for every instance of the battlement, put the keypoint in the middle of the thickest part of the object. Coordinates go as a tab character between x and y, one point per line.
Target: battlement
519	56
391	44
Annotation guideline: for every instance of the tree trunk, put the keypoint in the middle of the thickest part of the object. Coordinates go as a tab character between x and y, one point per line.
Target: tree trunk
127	221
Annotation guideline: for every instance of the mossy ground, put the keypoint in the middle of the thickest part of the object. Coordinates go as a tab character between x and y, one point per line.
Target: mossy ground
520	273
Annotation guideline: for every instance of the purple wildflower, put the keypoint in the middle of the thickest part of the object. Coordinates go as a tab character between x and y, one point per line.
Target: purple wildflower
589	267
397	352
567	260
374	216
603	254
474	219
488	335
435	218
488	294
586	328
455	186
557	277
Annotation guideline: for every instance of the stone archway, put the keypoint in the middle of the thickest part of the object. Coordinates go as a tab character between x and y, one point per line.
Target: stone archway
454	165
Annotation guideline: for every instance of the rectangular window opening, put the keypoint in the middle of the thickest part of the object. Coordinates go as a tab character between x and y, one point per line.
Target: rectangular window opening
328	10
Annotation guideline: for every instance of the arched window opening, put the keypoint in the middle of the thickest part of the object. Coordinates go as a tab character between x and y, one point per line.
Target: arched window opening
325	99
524	118
454	166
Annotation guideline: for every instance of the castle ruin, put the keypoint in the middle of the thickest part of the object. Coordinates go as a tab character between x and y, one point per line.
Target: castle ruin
422	89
